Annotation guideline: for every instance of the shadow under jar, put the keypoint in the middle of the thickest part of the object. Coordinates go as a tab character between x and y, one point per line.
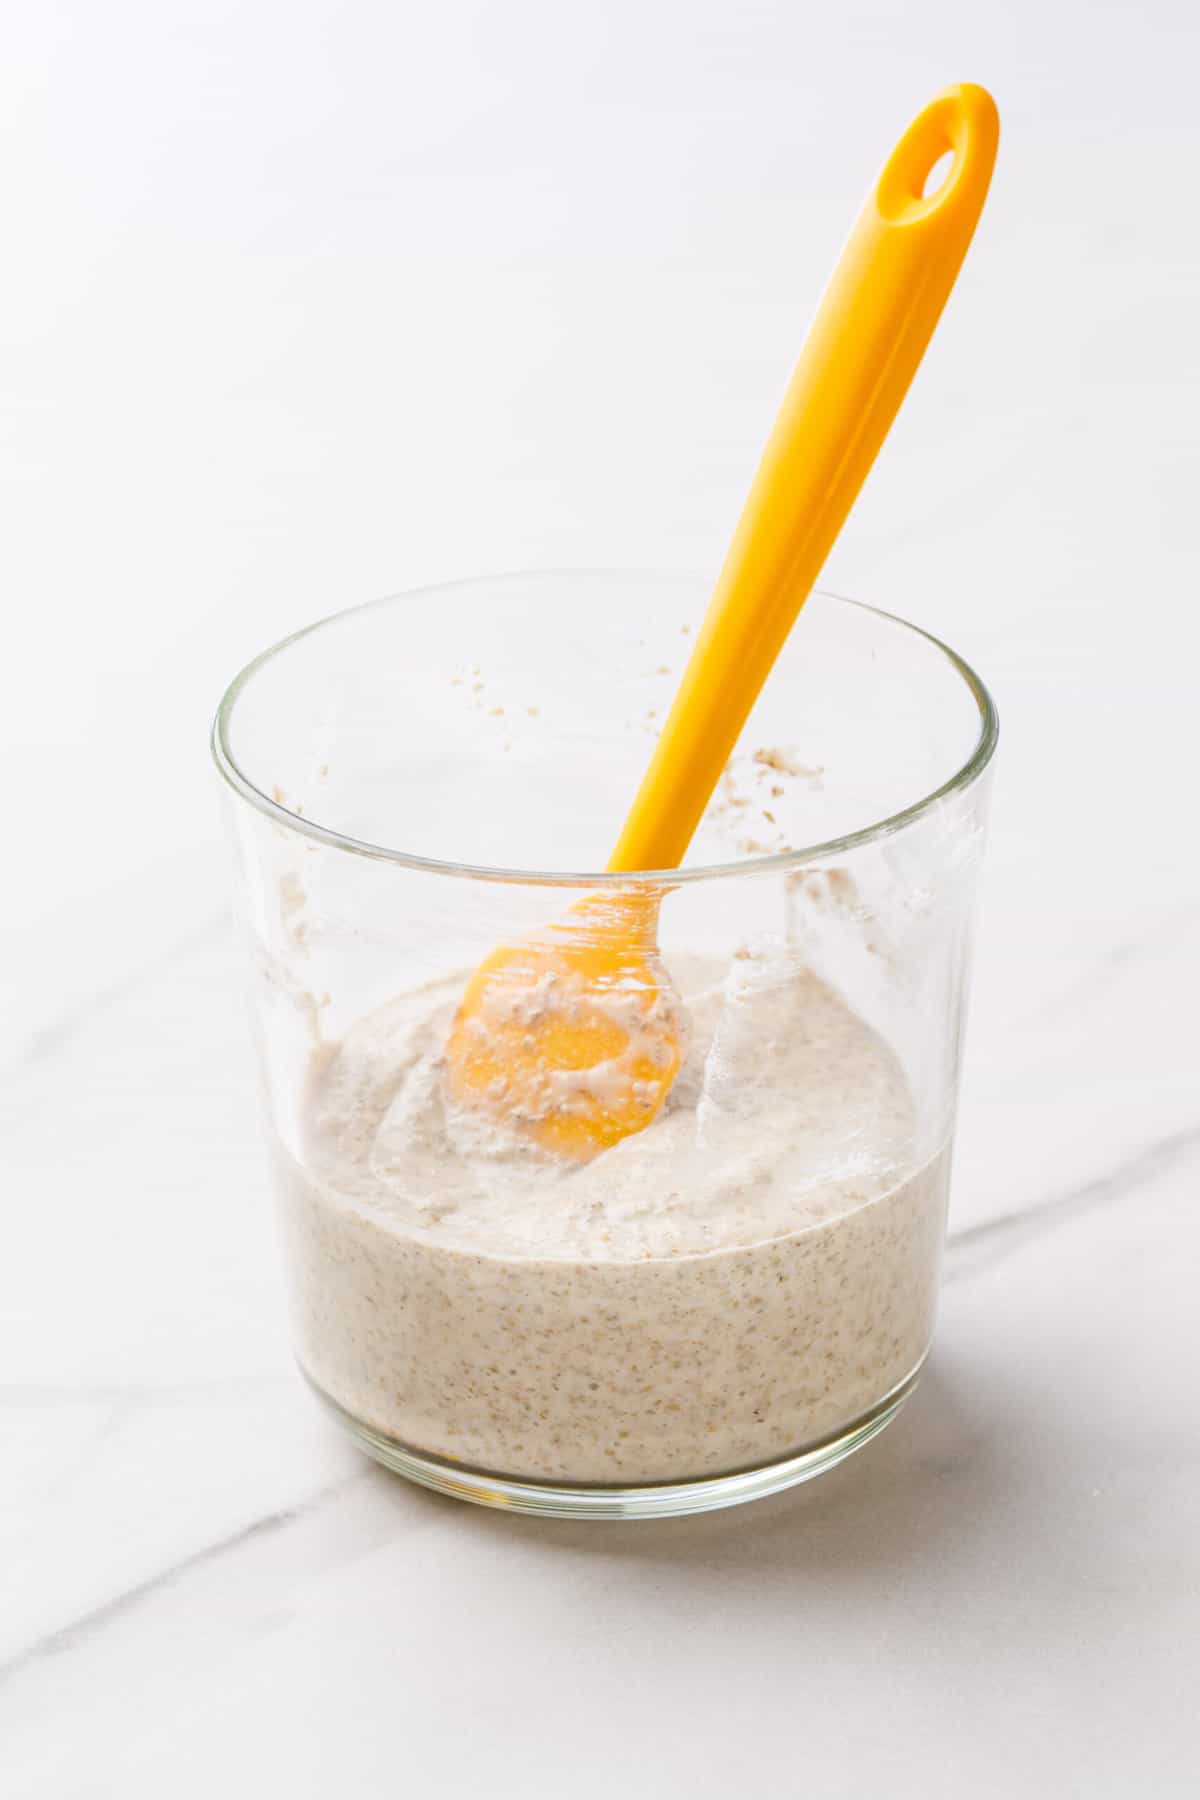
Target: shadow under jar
734	1298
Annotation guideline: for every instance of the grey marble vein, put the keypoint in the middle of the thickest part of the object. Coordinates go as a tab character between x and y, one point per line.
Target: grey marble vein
979	1247
67	1637
1166	932
47	1039
970	1251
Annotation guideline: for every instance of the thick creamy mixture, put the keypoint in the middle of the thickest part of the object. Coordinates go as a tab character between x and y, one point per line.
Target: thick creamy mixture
744	1279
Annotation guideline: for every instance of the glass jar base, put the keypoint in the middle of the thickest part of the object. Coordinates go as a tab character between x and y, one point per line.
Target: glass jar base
575	1500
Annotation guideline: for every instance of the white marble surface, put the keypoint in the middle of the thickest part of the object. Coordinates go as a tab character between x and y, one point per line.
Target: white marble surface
311	311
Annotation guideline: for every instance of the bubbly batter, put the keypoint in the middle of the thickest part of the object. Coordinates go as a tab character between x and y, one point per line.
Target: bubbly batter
744	1279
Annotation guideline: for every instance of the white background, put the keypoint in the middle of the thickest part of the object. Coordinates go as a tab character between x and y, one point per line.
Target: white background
307	303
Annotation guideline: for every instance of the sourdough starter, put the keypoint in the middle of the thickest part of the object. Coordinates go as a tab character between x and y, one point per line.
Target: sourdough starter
743	1280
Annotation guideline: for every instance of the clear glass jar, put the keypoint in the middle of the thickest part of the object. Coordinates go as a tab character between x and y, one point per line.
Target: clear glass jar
734	1298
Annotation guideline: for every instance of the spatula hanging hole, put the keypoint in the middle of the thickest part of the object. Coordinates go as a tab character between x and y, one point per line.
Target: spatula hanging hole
938	175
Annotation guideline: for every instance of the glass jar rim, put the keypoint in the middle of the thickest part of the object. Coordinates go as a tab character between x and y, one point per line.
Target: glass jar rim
779	862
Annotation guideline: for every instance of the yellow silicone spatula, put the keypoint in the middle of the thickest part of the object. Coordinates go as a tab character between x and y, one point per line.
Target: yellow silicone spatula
572	1037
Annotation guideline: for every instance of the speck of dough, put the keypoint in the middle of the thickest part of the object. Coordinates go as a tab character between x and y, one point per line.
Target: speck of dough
786	762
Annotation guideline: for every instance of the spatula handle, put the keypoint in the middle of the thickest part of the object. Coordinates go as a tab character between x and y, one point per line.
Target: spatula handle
876	318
